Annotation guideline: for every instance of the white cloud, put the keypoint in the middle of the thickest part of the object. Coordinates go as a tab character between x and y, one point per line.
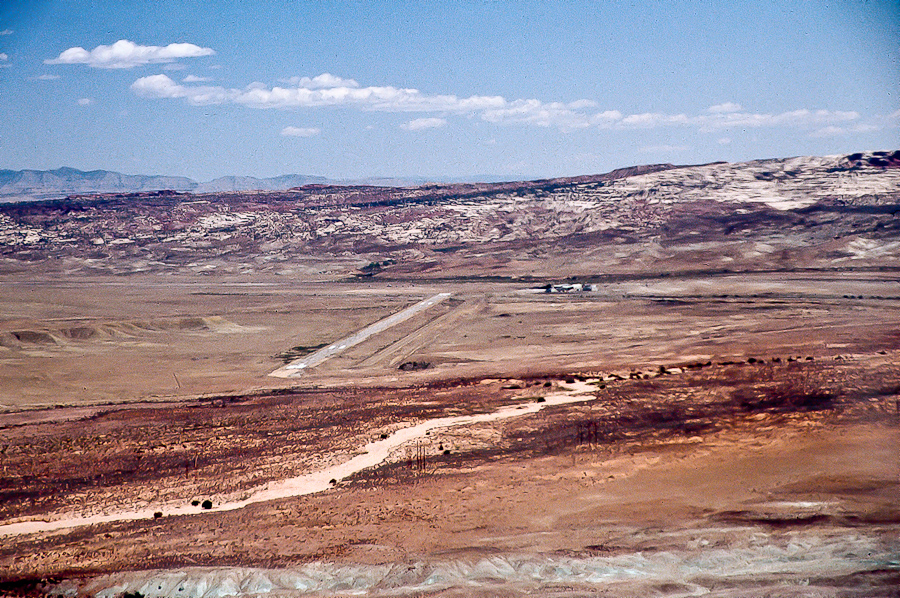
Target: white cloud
6	32
258	95
647	120
725	108
581	104
174	66
330	90
125	54
725	117
4	56
606	118
834	131
47	77
385	99
664	149
546	114
85	101
791	119
161	86
300	131
724	140
829	131
424	123
323	81
196	79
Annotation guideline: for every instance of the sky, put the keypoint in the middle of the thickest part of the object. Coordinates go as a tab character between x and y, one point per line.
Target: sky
441	89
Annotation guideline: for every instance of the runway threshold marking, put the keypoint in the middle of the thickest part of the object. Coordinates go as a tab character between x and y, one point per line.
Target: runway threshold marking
296	367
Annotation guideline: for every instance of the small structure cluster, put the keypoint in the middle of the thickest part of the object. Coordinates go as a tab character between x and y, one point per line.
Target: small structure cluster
574	287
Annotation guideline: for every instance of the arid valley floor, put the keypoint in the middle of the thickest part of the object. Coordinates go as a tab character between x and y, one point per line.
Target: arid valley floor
717	415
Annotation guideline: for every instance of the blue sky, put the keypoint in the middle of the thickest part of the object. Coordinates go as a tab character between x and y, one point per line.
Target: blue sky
441	89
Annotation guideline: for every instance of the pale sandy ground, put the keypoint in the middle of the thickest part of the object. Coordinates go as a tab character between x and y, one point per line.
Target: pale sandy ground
112	340
766	502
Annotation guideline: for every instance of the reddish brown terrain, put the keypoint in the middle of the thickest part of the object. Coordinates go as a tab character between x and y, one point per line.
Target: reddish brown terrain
665	381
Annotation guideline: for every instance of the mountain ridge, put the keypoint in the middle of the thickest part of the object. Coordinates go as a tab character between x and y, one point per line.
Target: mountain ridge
58	183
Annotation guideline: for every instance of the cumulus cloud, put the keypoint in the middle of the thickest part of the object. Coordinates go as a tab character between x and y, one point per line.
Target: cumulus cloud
792	119
385	99
300	131
725	108
330	90
125	54
259	95
324	80
418	124
4	57
196	79
829	131
647	120
663	149
85	101
161	86
732	116
607	117
570	115
835	131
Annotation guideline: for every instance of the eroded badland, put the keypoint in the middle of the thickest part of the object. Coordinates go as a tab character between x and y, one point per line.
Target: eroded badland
708	396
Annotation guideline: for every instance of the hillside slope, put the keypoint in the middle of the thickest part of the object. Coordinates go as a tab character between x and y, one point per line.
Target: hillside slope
814	212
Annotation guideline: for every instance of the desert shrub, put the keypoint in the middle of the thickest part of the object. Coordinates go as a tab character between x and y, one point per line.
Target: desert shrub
790	396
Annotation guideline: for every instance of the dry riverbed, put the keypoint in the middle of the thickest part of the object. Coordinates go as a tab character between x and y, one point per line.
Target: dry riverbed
789	467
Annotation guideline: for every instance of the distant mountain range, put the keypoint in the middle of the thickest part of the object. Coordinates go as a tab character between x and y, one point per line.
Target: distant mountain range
31	185
24	185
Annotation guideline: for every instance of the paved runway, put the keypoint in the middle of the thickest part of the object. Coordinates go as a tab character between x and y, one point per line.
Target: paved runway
296	367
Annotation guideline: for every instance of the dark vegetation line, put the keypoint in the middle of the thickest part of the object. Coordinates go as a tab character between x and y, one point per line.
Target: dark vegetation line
626	277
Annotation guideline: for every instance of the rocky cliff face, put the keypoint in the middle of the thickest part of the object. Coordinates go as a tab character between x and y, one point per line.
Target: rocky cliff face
814	212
